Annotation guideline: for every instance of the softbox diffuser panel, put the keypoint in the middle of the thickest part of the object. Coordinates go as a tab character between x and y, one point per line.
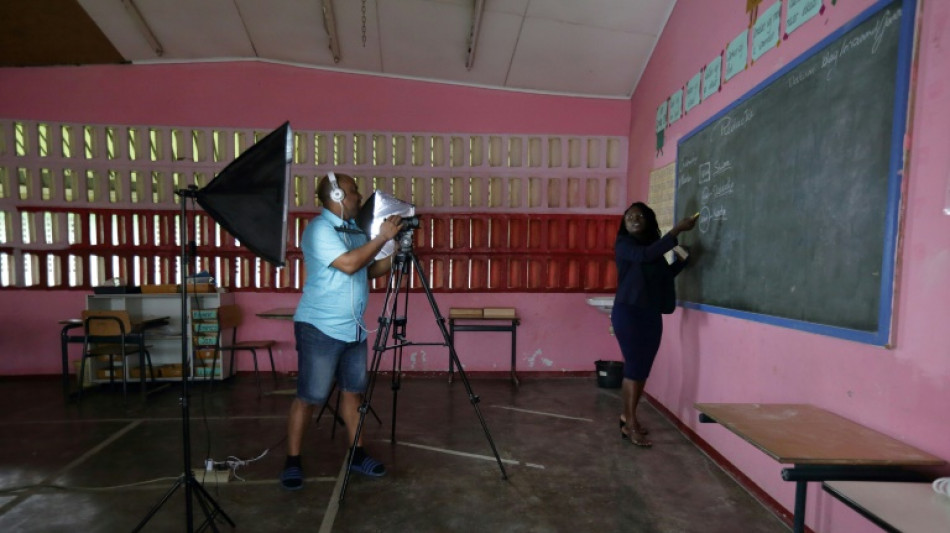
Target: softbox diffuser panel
249	197
371	216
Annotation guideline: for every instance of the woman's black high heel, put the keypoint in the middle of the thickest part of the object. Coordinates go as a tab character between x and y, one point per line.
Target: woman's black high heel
636	439
639	430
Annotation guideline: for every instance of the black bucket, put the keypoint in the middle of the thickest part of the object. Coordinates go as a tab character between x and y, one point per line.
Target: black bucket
609	374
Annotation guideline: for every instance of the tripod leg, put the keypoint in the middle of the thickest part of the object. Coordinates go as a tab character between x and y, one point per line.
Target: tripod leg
451	340
376	416
364	408
207	504
396	385
209	514
473	399
336	413
159	505
379	346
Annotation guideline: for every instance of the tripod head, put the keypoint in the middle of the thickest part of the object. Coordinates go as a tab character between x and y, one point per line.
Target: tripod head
404	240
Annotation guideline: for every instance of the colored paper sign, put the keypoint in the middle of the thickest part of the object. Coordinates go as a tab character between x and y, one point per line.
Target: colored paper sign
799	12
661	117
736	54
676	106
765	31
692	91
712	76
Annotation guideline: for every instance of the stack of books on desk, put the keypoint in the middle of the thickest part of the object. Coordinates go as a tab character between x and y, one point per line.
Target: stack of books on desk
499	312
464	312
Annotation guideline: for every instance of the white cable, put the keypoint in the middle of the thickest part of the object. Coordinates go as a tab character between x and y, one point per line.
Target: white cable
941	485
233	463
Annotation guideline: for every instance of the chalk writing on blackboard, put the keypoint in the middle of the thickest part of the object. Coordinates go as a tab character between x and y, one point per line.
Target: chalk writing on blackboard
805	162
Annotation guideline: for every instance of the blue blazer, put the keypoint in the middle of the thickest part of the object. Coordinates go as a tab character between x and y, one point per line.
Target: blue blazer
630	256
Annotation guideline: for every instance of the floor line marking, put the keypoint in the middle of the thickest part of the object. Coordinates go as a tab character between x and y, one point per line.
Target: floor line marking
333	506
158	484
465	454
156	419
82	458
543	413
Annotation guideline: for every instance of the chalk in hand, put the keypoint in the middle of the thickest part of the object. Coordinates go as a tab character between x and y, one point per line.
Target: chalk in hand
696	215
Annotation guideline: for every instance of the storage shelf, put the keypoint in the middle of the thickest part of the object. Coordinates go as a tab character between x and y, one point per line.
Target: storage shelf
165	348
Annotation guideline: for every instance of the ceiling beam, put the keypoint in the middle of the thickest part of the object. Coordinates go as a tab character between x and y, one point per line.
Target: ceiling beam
329	22
478	8
144	29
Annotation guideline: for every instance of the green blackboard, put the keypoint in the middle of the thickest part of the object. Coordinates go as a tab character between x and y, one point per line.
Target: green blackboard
798	187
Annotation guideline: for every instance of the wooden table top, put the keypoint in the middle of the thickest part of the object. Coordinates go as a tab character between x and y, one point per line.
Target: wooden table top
804	434
280	313
137	324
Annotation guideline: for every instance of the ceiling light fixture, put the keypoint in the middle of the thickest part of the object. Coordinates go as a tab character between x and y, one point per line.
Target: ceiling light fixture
329	22
477	9
143	27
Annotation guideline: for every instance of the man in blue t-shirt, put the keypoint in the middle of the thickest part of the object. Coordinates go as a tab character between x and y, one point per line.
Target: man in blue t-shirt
328	324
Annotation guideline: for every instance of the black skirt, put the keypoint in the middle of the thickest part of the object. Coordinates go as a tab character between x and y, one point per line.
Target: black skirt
638	331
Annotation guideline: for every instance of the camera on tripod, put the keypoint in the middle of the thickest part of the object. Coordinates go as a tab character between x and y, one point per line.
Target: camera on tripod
410	223
377	208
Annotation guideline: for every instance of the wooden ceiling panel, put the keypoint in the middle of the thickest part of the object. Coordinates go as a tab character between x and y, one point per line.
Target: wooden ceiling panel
51	32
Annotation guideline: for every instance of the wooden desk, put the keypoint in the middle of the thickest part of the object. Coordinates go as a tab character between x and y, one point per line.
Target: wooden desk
821	445
279	313
509	324
893	506
138	334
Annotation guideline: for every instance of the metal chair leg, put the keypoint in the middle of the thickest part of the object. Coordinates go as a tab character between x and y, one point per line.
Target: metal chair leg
257	373
82	378
273	369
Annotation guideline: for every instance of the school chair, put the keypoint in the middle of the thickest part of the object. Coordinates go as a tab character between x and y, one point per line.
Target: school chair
231	317
111	334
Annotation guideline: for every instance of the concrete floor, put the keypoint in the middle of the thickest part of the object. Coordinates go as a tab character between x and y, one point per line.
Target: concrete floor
102	465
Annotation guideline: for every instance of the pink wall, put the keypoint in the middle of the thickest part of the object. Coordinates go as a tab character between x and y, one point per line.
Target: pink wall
903	391
264	95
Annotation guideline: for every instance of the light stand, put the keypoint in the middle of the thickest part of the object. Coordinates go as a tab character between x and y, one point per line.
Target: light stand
403	259
193	488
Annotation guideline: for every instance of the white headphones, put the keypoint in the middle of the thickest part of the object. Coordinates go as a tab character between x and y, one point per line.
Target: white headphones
336	193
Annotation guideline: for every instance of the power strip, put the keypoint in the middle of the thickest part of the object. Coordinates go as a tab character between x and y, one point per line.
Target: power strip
212	476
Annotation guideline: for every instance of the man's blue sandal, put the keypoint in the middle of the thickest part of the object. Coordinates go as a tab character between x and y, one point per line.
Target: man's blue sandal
369	467
291	478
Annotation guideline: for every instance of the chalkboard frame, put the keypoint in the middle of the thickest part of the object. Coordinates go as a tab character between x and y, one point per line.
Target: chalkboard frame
882	335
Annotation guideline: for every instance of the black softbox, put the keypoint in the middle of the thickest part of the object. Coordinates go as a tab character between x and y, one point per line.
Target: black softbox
249	197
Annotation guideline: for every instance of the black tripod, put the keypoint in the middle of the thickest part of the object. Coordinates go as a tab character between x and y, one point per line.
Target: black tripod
390	322
210	507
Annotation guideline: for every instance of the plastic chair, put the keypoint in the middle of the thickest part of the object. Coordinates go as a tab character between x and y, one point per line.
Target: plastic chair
110	333
231	317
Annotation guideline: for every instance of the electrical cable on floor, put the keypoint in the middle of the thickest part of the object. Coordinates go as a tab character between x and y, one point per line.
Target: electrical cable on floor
233	463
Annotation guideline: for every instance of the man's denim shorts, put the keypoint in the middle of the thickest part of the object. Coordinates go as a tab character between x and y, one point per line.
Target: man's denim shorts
321	358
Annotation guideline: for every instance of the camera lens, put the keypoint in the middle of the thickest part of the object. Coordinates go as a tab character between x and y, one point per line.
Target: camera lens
410	222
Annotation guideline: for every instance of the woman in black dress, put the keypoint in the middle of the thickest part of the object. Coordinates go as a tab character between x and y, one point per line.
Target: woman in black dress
644	293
